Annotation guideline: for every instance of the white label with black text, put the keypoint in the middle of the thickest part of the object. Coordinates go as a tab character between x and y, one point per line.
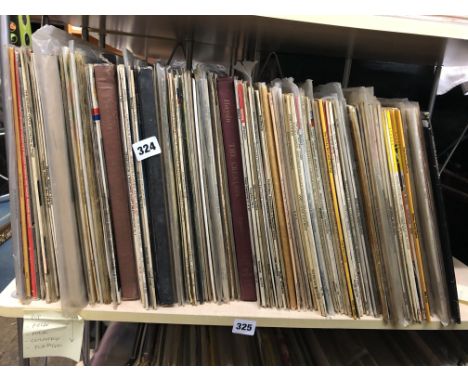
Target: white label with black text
245	327
146	148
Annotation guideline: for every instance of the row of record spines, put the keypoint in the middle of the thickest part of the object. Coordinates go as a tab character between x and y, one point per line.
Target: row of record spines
294	198
96	162
183	117
406	286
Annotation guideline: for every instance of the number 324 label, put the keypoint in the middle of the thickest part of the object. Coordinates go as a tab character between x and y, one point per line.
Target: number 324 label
146	148
245	327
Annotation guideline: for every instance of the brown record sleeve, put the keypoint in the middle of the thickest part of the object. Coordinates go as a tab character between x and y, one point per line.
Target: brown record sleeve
106	88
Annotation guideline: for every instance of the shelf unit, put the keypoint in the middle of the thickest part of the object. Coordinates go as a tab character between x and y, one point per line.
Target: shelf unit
225	40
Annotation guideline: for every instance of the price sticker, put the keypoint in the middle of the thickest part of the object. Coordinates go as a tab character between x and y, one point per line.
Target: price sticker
244	327
146	148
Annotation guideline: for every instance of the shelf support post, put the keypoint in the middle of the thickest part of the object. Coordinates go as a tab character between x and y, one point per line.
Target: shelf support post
102	32
44	20
435	85
346	72
189	49
146	49
233	53
85	27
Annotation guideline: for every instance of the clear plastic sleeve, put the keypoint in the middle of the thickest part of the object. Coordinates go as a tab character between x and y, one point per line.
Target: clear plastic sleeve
425	211
11	155
67	246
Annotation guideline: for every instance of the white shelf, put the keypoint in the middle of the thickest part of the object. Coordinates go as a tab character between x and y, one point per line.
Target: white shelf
434	26
223	314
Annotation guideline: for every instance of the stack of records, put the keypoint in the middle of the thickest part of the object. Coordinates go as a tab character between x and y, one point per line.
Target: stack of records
186	345
175	186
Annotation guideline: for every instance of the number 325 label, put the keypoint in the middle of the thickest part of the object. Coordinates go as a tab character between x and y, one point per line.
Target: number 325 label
146	148
245	327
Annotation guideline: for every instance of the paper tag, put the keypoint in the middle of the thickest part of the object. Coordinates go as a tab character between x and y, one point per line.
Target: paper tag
146	148
52	334
245	327
462	293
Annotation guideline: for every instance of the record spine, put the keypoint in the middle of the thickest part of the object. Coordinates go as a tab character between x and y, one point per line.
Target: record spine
119	200
155	189
442	220
235	174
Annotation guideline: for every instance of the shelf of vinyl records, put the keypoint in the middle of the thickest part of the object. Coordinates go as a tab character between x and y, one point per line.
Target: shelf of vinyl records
225	314
162	194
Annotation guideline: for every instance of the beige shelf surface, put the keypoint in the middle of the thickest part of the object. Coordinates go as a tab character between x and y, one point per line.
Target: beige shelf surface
222	314
438	26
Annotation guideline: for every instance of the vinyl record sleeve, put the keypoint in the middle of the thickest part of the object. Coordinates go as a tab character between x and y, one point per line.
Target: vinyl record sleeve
329	211
231	141
107	97
190	137
47	218
223	191
155	189
70	271
11	154
74	134
250	188
426	214
20	169
277	266
284	174
323	228
188	254
93	198
167	153
102	185
285	283
442	220
138	212
210	181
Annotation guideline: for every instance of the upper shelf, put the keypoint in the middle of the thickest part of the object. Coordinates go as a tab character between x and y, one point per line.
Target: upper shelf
433	26
224	314
418	40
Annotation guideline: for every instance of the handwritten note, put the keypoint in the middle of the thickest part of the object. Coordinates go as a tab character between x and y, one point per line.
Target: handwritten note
53	334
